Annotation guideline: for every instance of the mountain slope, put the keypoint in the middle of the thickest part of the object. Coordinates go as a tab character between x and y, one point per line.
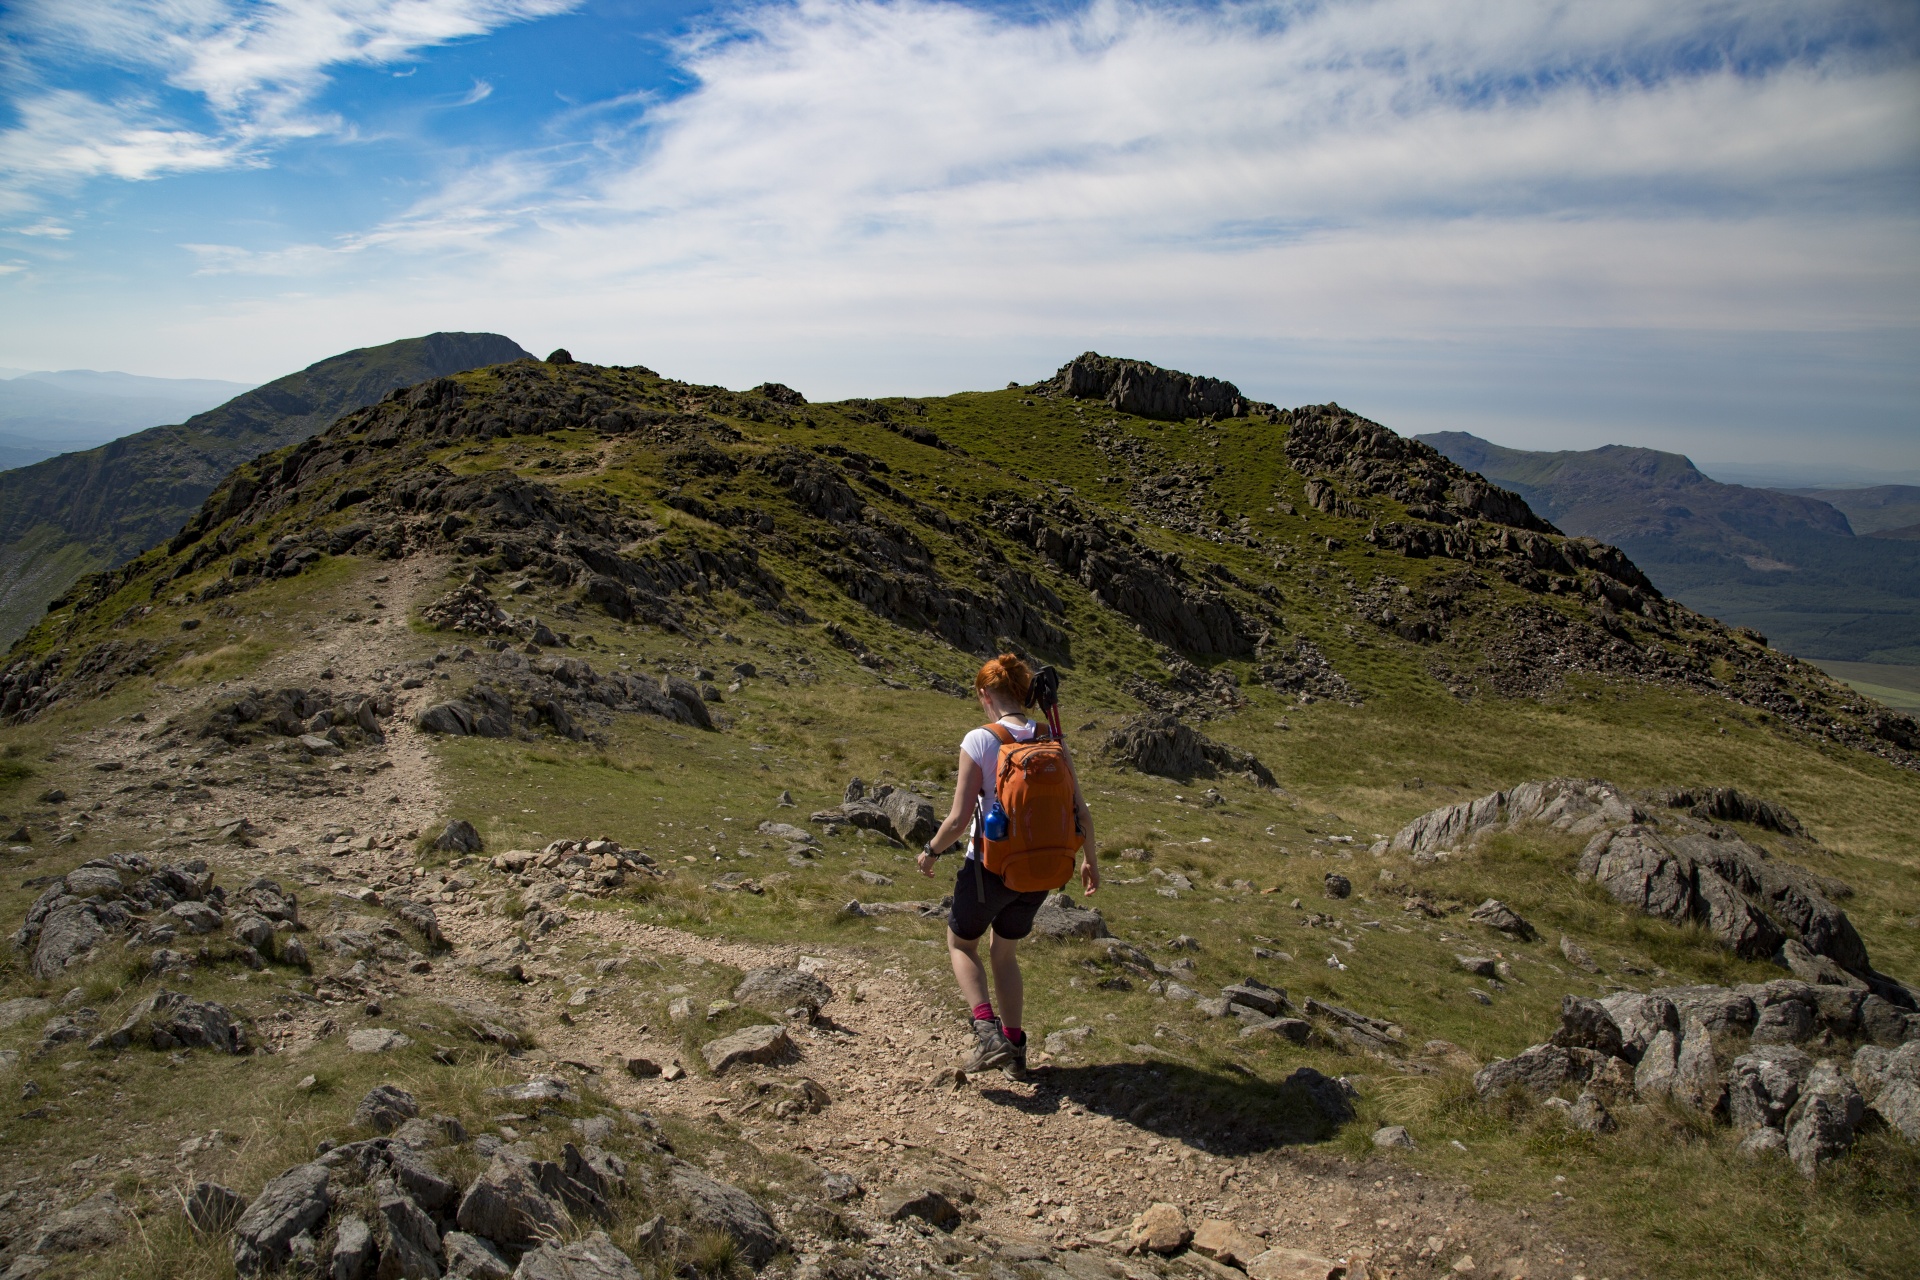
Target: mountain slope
78	408
99	508
1877	511
1785	564
537	604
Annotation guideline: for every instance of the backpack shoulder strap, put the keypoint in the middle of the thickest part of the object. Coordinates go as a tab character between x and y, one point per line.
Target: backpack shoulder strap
1001	732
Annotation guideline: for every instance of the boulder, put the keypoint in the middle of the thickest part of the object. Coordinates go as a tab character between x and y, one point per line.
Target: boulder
354	1251
66	935
1225	1242
1696	1071
1335	885
469	1257
424	1134
1735	923
911	818
505	1204
1637	870
1293	1264
1764	1084
1787	1021
1640	1018
94	1224
454	719
720	1206
762	1044
286	1207
1478	966
168	1020
1296	1030
537	1089
1821	1125
1718	1009
1393	1135
1539	1070
1058	917
592	1257
1496	914
1256	995
1577	955
1160	1228
412	1243
94	881
1816	969
1590	1113
1659	1061
212	1208
777	988
459	837
1884	1022
193	917
21	1009
376	1040
1586	1024
924	1203
384	1107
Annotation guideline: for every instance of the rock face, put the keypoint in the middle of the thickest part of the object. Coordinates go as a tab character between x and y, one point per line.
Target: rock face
289	1205
1159	743
776	988
1146	390
720	1206
1764	1085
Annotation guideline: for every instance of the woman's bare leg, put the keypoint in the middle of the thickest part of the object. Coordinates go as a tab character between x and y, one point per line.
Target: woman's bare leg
968	971
1006	979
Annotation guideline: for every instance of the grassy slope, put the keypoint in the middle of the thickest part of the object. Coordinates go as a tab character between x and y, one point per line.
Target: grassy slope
1675	1196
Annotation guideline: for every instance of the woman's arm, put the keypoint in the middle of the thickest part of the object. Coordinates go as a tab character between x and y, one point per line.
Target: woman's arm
966	787
1090	868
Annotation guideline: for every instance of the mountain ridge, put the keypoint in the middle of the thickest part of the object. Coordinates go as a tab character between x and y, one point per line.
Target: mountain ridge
1786	564
99	507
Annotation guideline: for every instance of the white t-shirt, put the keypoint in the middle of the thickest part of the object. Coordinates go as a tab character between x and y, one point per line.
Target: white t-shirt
984	750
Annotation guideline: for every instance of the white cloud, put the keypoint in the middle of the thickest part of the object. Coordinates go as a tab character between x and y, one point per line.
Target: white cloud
868	196
257	67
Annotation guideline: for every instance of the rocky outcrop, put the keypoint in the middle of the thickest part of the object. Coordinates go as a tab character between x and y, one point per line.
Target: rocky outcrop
1664	854
1146	390
725	1208
1160	744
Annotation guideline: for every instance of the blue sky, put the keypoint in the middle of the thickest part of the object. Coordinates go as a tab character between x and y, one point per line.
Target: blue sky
1689	224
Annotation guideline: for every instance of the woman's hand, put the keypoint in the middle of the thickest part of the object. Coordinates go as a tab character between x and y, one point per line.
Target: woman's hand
1090	874
925	862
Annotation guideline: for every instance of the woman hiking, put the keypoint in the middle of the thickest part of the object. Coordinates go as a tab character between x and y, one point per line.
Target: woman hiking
1030	839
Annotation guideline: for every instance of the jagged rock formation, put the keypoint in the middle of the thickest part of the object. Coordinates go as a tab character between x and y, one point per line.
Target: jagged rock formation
1657	853
1148	391
1661	1045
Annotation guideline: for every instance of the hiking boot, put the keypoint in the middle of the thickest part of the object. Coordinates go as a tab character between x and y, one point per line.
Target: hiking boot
992	1051
1016	1066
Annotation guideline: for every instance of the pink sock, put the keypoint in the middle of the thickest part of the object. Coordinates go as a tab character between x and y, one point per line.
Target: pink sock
1015	1035
983	1012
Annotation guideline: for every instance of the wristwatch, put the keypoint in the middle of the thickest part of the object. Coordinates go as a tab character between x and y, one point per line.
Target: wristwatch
929	850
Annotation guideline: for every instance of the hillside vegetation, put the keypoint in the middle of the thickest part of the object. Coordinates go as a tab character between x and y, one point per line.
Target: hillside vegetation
559	602
97	508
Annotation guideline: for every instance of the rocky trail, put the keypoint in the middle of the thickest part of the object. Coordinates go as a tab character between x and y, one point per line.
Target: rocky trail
1056	1172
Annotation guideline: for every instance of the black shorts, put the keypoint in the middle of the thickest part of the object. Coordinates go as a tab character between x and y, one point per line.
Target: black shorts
1009	914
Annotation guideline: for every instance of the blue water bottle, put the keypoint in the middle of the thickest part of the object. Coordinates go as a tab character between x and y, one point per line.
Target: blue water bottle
994	825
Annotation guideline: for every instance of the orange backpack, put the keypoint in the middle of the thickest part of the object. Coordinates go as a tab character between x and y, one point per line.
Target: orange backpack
1034	785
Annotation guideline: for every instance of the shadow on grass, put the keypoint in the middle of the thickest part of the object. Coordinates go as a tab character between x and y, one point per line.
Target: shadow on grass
1218	1111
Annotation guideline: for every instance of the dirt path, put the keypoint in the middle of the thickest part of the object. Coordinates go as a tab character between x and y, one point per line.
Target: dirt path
1050	1171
